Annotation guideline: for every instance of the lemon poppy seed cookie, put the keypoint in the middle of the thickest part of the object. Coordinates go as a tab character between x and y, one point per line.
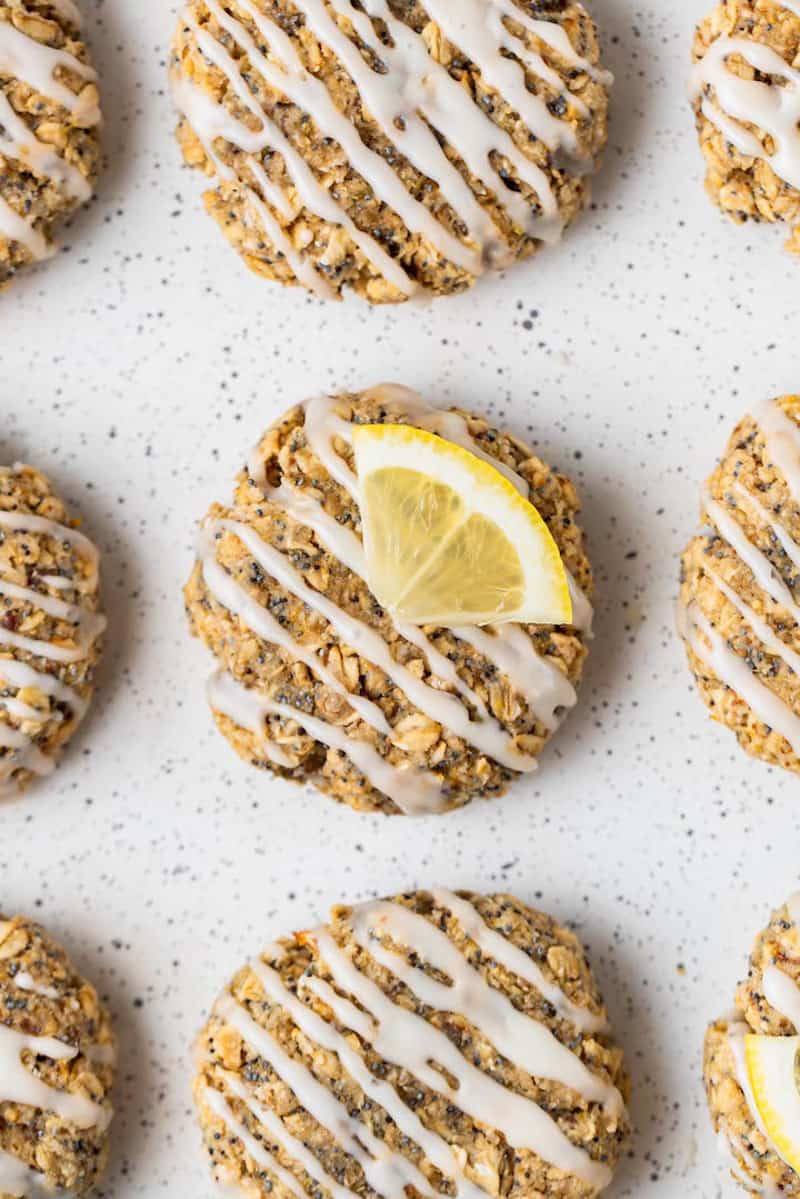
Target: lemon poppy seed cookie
50	627
317	681
739	612
56	1069
745	88
435	1043
750	1065
391	146
49	118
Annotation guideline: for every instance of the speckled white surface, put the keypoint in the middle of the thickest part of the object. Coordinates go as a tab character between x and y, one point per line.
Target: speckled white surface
139	366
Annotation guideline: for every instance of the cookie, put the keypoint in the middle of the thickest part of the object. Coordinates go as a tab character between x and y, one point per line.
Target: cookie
49	119
50	627
451	1044
744	88
317	682
738	611
57	1060
394	148
767	1004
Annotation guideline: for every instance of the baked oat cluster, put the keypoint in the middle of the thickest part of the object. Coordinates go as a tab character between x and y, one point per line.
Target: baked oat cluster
49	119
50	627
317	682
739	613
56	1069
445	1043
390	147
768	1005
744	88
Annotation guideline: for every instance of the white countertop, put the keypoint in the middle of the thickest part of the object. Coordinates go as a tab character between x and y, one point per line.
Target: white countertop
139	367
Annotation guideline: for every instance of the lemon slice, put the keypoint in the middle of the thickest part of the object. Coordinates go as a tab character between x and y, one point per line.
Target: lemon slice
773	1070
448	539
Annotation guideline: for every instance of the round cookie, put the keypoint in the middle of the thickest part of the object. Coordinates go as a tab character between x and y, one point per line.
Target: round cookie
746	57
316	682
392	148
454	1044
50	627
49	118
738	611
56	1069
767	1003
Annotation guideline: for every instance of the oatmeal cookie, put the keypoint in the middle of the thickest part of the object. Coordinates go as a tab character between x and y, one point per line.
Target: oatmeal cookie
56	1069
49	118
317	682
50	627
393	147
446	1044
738	610
746	73
767	1003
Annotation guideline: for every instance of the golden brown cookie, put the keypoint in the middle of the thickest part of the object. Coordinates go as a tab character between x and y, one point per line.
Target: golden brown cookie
49	119
394	147
449	1044
317	682
50	627
767	1004
739	611
746	56
57	1061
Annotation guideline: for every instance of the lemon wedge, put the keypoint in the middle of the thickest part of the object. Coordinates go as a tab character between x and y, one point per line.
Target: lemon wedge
773	1070
448	539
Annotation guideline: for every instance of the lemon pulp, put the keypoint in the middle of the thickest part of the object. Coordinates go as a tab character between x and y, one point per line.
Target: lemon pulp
448	539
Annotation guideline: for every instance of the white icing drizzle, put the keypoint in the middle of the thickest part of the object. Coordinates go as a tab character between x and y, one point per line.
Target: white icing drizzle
789	547
435	1148
743	1166
523	1041
759	626
516	961
18	1085
414	792
403	1037
16	228
782	993
782	442
439	706
734	672
18	140
36	64
760	566
546	689
20	1181
217	1103
26	982
409	1041
772	108
408	99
